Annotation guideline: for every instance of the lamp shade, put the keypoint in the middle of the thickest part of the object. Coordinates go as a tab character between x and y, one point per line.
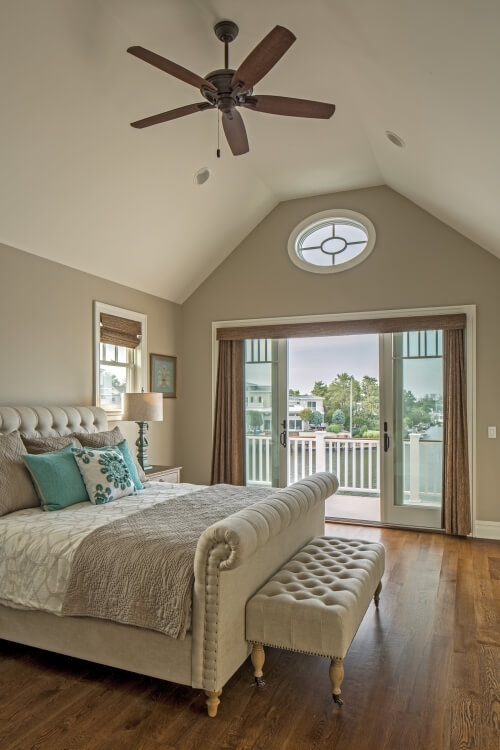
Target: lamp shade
142	407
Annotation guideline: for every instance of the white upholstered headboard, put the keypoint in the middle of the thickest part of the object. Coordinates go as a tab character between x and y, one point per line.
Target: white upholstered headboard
42	421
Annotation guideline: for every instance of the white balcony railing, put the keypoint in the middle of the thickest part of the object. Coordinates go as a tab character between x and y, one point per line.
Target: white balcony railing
355	462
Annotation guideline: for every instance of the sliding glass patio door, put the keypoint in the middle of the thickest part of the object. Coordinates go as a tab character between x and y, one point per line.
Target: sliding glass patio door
412	428
401	468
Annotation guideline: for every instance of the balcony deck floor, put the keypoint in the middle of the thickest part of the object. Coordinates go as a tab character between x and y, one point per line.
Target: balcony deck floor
353	507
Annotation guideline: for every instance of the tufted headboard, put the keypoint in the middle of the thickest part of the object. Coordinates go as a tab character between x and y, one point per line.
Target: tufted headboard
42	421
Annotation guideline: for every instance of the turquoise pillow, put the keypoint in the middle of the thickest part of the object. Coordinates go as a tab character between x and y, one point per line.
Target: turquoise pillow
129	461
57	479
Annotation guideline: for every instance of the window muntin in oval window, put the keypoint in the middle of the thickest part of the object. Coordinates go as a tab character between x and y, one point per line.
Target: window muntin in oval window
331	241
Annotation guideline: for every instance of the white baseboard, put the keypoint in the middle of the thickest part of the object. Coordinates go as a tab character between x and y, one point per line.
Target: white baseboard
487	529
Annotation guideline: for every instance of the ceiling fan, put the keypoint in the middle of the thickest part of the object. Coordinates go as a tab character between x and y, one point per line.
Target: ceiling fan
227	89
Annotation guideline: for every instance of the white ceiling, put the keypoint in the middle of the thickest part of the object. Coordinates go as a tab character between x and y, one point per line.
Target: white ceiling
81	187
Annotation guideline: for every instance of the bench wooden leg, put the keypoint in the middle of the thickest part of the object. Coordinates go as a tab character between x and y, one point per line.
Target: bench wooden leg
212	702
376	595
258	658
336	677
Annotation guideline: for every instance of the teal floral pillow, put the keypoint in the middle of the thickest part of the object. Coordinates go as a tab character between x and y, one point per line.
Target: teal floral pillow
105	474
127	457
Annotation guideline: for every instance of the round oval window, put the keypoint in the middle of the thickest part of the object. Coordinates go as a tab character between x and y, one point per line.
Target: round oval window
331	241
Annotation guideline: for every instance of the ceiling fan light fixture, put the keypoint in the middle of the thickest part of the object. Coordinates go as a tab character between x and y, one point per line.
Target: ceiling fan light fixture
202	176
395	139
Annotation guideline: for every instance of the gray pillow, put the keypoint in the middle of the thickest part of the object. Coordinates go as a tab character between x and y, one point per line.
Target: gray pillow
16	488
108	438
49	444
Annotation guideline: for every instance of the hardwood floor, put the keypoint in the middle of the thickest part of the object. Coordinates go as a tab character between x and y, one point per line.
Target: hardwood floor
423	673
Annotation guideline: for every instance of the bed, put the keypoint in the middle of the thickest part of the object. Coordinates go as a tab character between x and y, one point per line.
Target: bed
233	558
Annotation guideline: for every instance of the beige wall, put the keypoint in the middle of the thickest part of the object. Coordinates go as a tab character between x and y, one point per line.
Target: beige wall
417	262
46	338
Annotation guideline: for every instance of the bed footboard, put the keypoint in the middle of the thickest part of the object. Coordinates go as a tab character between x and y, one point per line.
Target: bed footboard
234	557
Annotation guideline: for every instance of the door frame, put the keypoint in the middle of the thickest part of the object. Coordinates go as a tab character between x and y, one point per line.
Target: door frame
470	354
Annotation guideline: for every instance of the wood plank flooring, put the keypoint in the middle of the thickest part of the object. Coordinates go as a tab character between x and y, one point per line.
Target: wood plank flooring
423	673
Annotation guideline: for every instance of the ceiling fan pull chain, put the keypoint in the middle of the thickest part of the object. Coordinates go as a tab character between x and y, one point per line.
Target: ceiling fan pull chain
218	134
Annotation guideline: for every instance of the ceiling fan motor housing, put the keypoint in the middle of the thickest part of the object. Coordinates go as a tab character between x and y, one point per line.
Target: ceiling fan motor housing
225	98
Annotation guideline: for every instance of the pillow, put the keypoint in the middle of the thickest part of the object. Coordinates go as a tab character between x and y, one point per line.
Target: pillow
56	477
105	474
105	439
49	444
127	457
16	488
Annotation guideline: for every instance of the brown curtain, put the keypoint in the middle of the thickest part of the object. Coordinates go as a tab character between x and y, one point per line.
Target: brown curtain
228	460
456	493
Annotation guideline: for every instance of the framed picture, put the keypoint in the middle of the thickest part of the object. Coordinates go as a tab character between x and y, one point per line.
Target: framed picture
163	375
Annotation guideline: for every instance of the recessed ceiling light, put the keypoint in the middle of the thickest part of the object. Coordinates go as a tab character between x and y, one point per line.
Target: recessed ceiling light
202	175
395	139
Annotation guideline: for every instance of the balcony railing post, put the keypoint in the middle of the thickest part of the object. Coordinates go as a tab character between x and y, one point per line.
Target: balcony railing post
415	468
320	450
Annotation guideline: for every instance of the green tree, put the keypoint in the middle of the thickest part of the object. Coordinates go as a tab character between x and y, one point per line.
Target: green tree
368	412
117	384
433	404
338	417
418	413
291	392
316	419
409	399
305	415
328	416
255	420
338	396
320	388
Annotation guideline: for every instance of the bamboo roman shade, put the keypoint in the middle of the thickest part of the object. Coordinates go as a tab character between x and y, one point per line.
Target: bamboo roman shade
120	331
343	327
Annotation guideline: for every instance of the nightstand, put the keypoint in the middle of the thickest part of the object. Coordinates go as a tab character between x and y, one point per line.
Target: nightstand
164	473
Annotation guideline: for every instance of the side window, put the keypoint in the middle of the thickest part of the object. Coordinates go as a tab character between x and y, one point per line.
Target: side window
120	355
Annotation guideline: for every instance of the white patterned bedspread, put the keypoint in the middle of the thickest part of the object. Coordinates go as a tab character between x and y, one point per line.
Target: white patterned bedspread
37	547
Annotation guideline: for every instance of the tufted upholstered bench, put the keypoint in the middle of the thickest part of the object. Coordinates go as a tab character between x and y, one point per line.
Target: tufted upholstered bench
315	603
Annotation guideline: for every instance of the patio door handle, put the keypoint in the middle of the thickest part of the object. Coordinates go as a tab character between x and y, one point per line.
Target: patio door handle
283	434
387	441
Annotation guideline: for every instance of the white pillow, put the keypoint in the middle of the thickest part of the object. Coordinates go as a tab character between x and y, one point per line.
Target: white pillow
105	474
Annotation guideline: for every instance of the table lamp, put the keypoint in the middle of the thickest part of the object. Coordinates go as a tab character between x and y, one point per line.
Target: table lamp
142	408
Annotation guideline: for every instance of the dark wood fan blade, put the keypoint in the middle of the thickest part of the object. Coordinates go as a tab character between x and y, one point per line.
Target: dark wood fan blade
172	114
170	67
236	135
285	105
265	55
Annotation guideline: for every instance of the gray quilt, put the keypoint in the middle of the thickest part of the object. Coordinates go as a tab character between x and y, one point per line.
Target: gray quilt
139	570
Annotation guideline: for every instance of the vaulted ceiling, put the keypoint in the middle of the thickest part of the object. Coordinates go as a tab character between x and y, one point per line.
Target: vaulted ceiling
81	187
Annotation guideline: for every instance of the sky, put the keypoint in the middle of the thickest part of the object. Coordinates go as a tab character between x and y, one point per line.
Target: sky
324	358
